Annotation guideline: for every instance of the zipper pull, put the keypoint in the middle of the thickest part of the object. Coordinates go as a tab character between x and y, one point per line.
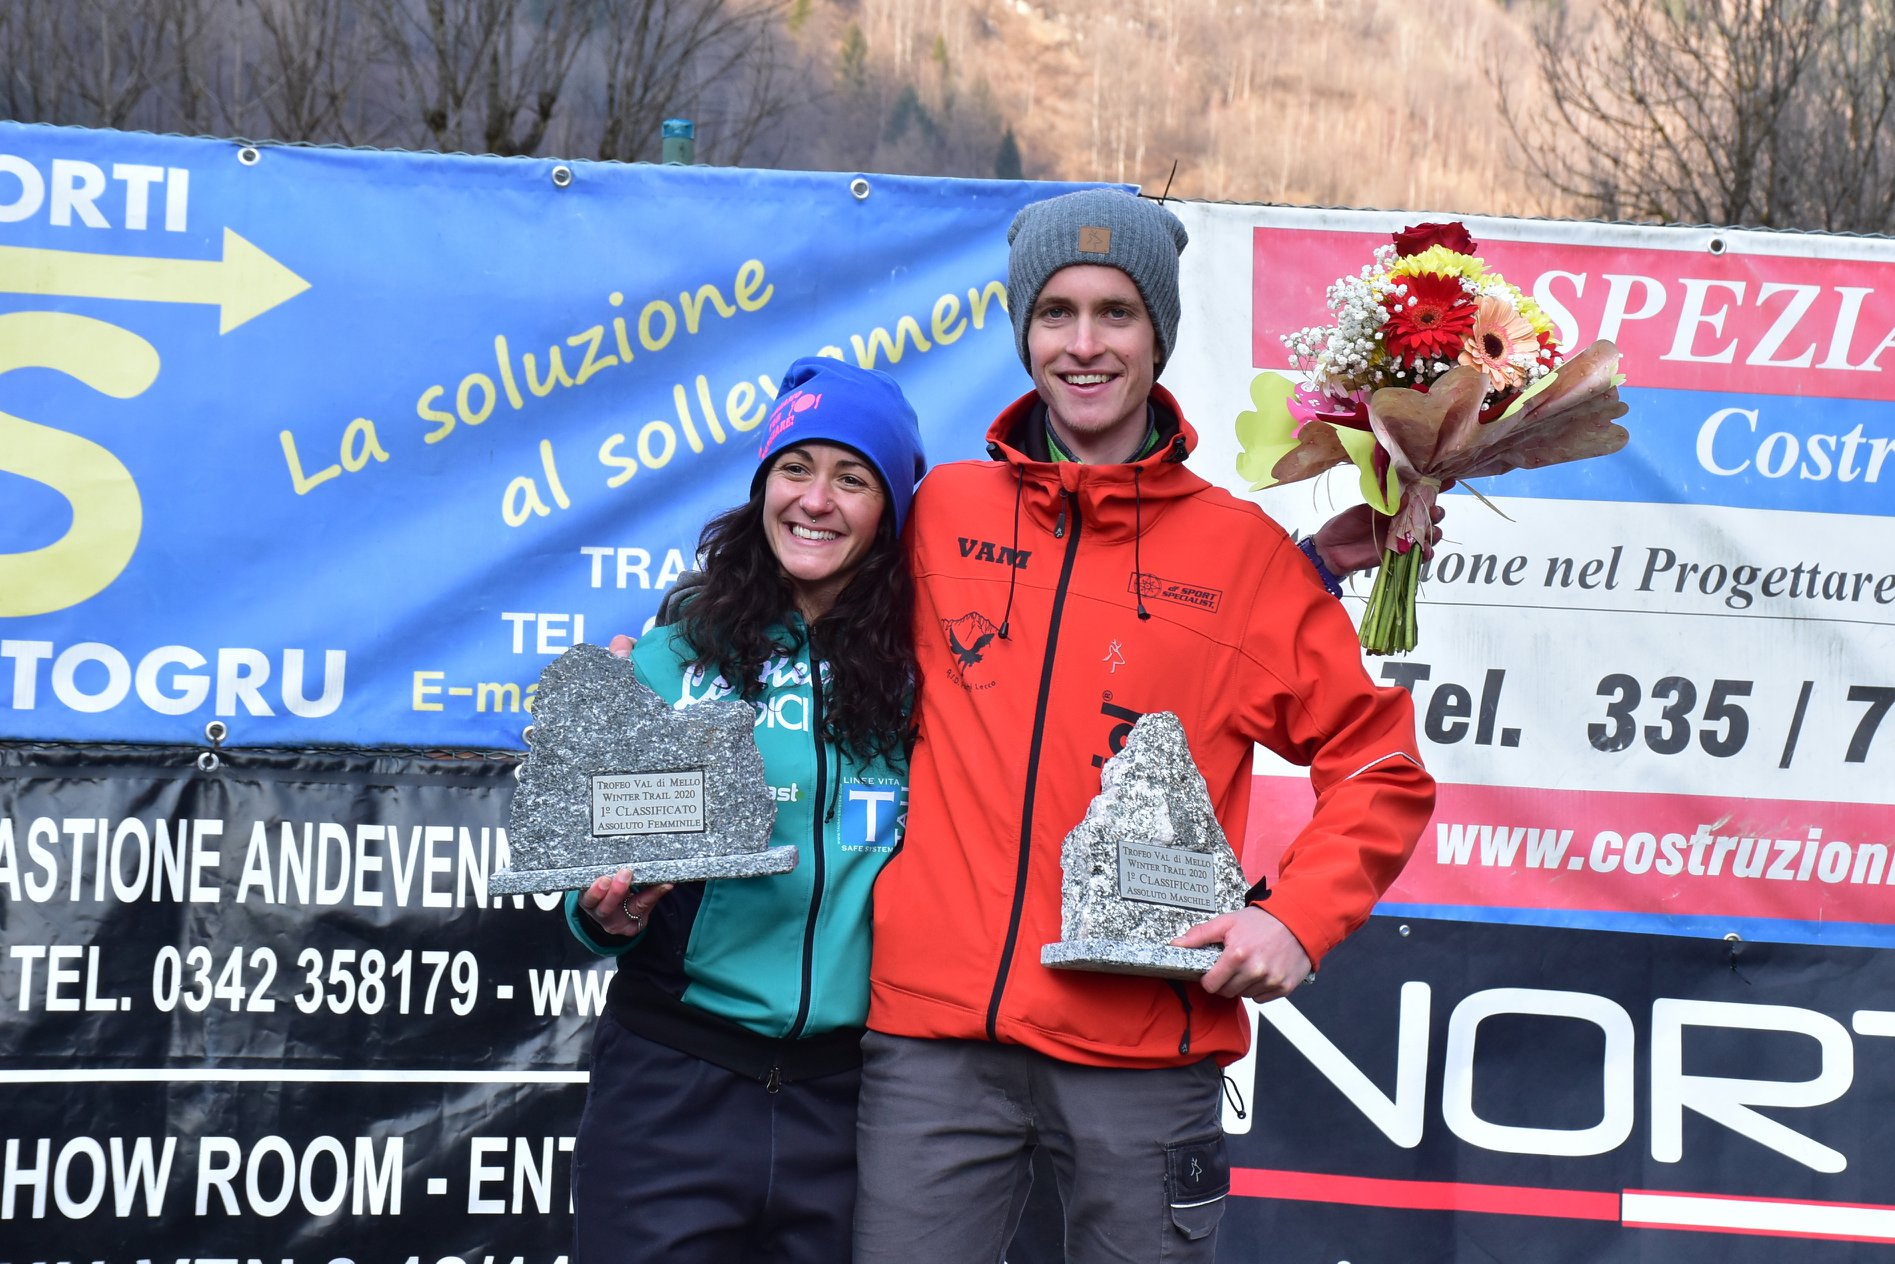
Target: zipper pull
1059	524
775	1083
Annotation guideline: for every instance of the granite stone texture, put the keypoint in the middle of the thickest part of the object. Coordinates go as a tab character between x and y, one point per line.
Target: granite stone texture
604	743
1148	862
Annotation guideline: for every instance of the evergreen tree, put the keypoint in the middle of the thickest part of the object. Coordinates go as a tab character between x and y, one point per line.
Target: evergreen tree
1007	161
909	111
853	70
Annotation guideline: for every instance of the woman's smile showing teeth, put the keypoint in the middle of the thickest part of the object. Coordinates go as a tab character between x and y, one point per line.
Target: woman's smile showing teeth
826	483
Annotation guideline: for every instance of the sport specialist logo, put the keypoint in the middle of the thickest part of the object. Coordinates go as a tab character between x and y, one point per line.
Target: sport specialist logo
968	638
1146	584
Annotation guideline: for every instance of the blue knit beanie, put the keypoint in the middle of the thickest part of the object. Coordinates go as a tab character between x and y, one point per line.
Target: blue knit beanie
833	401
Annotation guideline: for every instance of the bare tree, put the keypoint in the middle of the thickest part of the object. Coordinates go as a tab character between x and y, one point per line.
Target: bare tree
1773	113
29	85
484	76
82	61
316	71
717	62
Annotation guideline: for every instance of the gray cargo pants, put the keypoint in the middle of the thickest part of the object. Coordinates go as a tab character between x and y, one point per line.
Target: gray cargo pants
947	1129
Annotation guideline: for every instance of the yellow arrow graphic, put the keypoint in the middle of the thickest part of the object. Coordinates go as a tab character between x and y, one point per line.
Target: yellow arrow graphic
243	284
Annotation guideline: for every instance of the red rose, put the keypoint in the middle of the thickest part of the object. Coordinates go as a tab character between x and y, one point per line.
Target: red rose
1412	241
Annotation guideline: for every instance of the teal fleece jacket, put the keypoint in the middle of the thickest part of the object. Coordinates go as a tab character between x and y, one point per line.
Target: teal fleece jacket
787	956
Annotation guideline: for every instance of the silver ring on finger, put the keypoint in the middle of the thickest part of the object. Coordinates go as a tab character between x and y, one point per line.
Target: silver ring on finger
636	919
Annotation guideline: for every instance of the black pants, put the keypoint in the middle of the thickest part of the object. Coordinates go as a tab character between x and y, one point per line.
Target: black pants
681	1161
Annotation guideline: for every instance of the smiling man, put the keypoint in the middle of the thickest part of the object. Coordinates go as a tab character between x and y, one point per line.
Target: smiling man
1078	579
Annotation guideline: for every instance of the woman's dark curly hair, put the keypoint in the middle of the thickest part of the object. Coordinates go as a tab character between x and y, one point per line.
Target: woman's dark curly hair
734	623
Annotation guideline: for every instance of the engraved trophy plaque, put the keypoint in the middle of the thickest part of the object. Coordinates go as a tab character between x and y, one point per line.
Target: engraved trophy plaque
617	779
1148	862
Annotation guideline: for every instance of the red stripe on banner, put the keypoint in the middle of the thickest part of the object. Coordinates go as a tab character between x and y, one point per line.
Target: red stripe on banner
1614	851
1364	1191
1774	324
1634	1208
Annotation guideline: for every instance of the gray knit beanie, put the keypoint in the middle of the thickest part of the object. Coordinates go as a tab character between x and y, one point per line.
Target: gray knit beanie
1136	235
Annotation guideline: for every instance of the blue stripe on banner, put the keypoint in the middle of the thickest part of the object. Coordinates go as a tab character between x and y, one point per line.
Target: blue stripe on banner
1743	451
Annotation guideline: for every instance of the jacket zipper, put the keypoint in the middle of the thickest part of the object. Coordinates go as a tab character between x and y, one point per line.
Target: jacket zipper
815	822
1033	762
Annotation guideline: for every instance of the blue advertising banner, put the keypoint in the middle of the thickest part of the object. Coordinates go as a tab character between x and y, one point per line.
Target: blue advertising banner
341	446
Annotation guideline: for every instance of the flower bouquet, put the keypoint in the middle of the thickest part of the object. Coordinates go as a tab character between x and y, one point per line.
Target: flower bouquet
1436	371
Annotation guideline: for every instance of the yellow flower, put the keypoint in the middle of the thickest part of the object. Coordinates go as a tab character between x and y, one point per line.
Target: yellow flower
1501	337
1536	316
1440	261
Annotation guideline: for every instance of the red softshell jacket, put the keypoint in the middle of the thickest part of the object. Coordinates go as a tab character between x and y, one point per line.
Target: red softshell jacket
1242	643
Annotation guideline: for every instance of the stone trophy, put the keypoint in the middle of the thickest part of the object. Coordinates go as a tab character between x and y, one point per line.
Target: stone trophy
615	778
1149	861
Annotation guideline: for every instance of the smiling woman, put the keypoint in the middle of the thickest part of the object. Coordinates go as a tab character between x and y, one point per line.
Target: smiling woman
822	504
720	1116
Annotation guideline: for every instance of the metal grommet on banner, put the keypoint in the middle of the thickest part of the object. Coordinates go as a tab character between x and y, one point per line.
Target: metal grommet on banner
1402	930
215	732
526	735
859	189
249	155
1716	245
562	175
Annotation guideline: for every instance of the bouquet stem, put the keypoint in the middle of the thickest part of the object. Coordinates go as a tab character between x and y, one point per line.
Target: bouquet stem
1388	625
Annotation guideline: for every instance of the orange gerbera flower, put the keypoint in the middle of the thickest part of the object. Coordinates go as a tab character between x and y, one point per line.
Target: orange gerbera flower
1501	345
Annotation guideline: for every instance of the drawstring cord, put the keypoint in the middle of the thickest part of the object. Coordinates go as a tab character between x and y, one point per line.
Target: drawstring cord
1013	571
1234	1098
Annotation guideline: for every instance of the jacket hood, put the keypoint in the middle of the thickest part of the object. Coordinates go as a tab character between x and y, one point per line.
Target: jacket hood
1115	500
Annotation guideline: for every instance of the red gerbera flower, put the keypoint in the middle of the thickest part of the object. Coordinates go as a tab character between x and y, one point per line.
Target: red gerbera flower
1431	321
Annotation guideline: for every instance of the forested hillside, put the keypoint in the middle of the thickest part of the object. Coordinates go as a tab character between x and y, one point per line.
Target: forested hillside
1365	103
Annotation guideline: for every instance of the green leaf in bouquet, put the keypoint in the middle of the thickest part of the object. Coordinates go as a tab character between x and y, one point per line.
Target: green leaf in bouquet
1266	433
1275	451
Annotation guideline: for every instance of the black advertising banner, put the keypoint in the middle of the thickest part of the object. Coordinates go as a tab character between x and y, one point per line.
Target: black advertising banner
258	1004
262	1006
1453	1091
